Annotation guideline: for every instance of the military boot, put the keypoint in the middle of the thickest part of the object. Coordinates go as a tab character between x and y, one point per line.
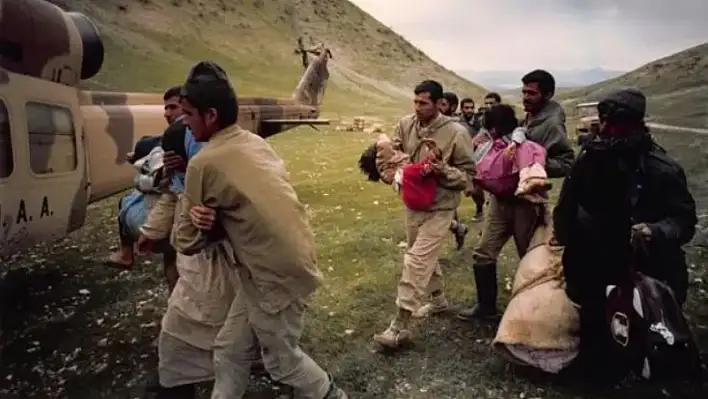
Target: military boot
485	277
397	333
334	391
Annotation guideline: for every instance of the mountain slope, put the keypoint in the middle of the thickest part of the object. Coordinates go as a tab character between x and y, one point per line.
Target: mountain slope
151	44
677	87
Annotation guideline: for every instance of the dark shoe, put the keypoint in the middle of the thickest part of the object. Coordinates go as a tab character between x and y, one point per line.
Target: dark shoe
180	392
334	391
485	277
460	235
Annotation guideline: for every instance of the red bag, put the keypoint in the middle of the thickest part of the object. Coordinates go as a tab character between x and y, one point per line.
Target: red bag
418	188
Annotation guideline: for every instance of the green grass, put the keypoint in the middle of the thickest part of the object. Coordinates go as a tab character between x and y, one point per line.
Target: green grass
358	228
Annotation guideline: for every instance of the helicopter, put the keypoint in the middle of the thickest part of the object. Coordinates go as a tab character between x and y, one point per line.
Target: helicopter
63	148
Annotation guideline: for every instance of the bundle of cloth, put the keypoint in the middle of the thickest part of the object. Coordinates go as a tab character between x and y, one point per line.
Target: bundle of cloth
540	327
512	166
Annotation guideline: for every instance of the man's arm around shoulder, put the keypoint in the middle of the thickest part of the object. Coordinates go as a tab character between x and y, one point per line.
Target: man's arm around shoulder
186	238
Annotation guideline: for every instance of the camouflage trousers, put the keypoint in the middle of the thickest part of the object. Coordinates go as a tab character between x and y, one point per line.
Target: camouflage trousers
426	232
279	336
507	218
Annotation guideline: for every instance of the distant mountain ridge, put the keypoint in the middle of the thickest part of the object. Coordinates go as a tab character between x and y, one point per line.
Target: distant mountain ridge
676	87
511	79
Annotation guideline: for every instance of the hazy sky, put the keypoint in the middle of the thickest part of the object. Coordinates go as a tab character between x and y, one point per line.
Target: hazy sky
552	34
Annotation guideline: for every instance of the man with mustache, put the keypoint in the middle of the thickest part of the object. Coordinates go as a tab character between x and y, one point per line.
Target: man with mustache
507	217
420	290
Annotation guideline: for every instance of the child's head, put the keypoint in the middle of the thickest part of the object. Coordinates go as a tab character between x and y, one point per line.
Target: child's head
143	147
367	163
500	120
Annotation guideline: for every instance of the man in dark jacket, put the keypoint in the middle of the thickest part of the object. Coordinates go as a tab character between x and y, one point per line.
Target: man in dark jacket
622	183
545	125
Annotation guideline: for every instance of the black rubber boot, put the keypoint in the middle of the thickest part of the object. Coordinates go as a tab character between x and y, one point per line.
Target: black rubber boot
485	277
188	391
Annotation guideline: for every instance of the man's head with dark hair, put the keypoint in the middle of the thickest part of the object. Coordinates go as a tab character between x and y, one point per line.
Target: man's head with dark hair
467	108
492	99
208	101
539	87
500	120
449	103
171	99
621	112
428	95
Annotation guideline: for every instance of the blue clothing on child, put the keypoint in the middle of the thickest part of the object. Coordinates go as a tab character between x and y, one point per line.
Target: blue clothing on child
133	207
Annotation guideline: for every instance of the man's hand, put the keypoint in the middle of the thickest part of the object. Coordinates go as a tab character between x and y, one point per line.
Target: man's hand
436	167
173	163
642	230
510	151
144	245
203	217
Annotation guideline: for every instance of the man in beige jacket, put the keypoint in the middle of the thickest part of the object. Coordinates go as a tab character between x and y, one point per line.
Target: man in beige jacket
420	290
237	189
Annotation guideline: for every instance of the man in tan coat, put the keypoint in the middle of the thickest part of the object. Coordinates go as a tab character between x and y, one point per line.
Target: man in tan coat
420	290
237	188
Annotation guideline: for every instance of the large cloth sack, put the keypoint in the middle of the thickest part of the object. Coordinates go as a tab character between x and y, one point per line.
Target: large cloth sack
540	327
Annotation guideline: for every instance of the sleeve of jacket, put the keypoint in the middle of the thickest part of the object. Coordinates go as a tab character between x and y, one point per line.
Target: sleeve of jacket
559	150
460	170
186	238
565	213
679	226
397	137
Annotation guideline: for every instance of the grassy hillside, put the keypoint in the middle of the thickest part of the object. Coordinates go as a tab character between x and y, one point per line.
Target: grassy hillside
677	87
151	44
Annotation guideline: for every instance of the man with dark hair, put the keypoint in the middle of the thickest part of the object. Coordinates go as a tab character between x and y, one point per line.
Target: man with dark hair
492	99
545	121
472	122
172	108
238	202
449	103
448	106
544	124
622	184
468	116
420	290
125	256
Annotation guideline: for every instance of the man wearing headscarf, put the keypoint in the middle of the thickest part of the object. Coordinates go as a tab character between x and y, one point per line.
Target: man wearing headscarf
622	183
238	197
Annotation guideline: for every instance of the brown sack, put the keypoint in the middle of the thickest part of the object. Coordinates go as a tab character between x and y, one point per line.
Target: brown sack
540	326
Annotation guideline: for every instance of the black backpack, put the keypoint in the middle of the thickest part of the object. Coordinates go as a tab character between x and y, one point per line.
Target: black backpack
650	334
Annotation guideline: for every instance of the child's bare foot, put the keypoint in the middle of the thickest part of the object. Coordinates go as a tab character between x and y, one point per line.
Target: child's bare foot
122	259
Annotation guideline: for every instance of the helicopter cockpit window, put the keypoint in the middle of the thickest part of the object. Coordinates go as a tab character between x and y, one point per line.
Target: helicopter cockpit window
6	158
52	139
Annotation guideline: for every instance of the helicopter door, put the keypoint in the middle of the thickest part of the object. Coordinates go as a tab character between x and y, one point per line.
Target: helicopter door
47	193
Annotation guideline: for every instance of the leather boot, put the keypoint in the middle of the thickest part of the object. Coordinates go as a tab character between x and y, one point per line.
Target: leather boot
485	277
